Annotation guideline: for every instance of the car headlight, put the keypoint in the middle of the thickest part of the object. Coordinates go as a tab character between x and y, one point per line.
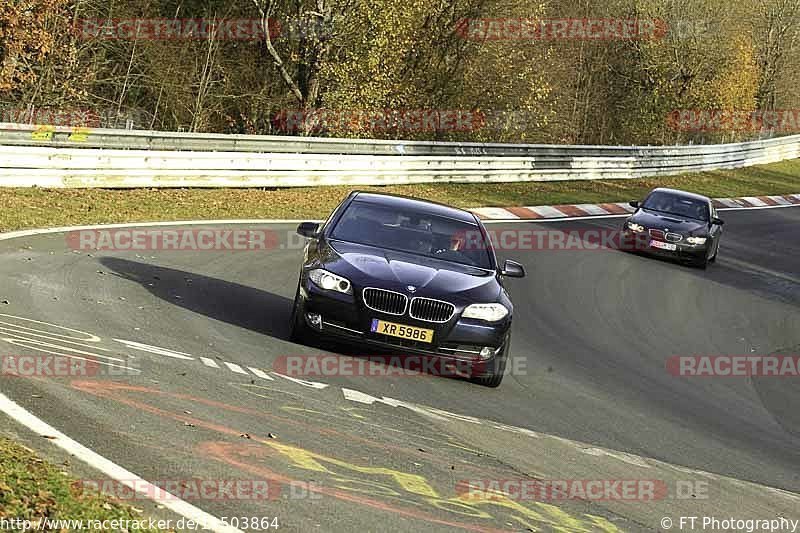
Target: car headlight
330	282
696	240
636	228
486	312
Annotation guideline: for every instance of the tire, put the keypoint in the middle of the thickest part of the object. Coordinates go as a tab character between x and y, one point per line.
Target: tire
713	258
298	329
701	263
492	376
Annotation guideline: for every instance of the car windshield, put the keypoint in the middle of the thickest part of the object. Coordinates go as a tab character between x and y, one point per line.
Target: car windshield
674	204
414	232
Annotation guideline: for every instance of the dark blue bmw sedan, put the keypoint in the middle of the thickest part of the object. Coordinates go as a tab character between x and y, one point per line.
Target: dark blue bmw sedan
407	275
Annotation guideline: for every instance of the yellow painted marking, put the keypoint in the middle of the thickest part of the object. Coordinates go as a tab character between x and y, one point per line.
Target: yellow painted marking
352	412
561	520
602	524
43	133
538	513
456	506
80	134
313	461
369	487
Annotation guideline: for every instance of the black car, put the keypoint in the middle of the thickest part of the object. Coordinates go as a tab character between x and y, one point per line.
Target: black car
676	224
407	275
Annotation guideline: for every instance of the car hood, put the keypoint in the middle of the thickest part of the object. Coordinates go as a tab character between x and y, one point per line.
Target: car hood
673	223
370	266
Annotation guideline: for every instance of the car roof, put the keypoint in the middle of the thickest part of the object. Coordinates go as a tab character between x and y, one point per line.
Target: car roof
406	202
682	193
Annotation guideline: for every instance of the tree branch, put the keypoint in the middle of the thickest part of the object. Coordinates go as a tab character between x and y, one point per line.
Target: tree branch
276	58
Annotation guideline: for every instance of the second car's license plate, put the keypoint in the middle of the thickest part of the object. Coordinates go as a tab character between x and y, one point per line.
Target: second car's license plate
663	245
402	331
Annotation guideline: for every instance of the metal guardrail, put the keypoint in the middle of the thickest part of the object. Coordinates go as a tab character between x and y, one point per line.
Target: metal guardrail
74	157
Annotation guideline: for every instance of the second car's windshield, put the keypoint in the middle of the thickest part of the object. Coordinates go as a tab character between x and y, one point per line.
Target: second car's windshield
414	232
674	204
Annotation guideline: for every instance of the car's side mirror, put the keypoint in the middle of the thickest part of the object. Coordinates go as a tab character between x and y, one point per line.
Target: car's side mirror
512	269
717	221
634	204
308	229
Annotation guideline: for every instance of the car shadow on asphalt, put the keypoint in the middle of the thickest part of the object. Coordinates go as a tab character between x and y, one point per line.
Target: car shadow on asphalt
240	305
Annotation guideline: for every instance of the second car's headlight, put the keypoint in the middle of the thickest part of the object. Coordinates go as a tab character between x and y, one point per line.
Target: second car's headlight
330	282
636	228
696	240
487	312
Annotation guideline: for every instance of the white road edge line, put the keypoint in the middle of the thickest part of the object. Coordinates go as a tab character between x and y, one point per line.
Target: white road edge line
64	229
209	362
260	373
233	367
112	470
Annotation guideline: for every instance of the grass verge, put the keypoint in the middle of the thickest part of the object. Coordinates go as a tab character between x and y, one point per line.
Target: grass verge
38	208
32	489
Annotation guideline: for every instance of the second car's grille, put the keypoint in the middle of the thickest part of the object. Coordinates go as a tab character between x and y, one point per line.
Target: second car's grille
431	310
674	237
657	233
393	303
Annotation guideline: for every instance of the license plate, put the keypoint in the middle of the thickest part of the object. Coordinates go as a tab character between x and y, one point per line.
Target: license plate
664	245
402	331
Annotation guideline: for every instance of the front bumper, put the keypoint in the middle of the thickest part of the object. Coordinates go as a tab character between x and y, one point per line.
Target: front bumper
683	251
346	318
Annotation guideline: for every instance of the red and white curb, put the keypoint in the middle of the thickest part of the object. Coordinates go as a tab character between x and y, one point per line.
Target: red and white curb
543	212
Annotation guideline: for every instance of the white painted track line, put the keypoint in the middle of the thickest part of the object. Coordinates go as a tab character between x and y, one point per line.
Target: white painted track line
235	368
64	229
260	373
209	362
112	470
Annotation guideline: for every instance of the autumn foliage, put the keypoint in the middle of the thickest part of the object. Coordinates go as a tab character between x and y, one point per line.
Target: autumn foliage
410	57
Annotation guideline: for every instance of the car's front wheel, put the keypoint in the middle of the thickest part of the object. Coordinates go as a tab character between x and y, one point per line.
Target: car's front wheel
298	329
713	258
491	375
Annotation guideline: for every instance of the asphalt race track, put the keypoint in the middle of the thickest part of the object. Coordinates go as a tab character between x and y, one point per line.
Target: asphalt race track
589	397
